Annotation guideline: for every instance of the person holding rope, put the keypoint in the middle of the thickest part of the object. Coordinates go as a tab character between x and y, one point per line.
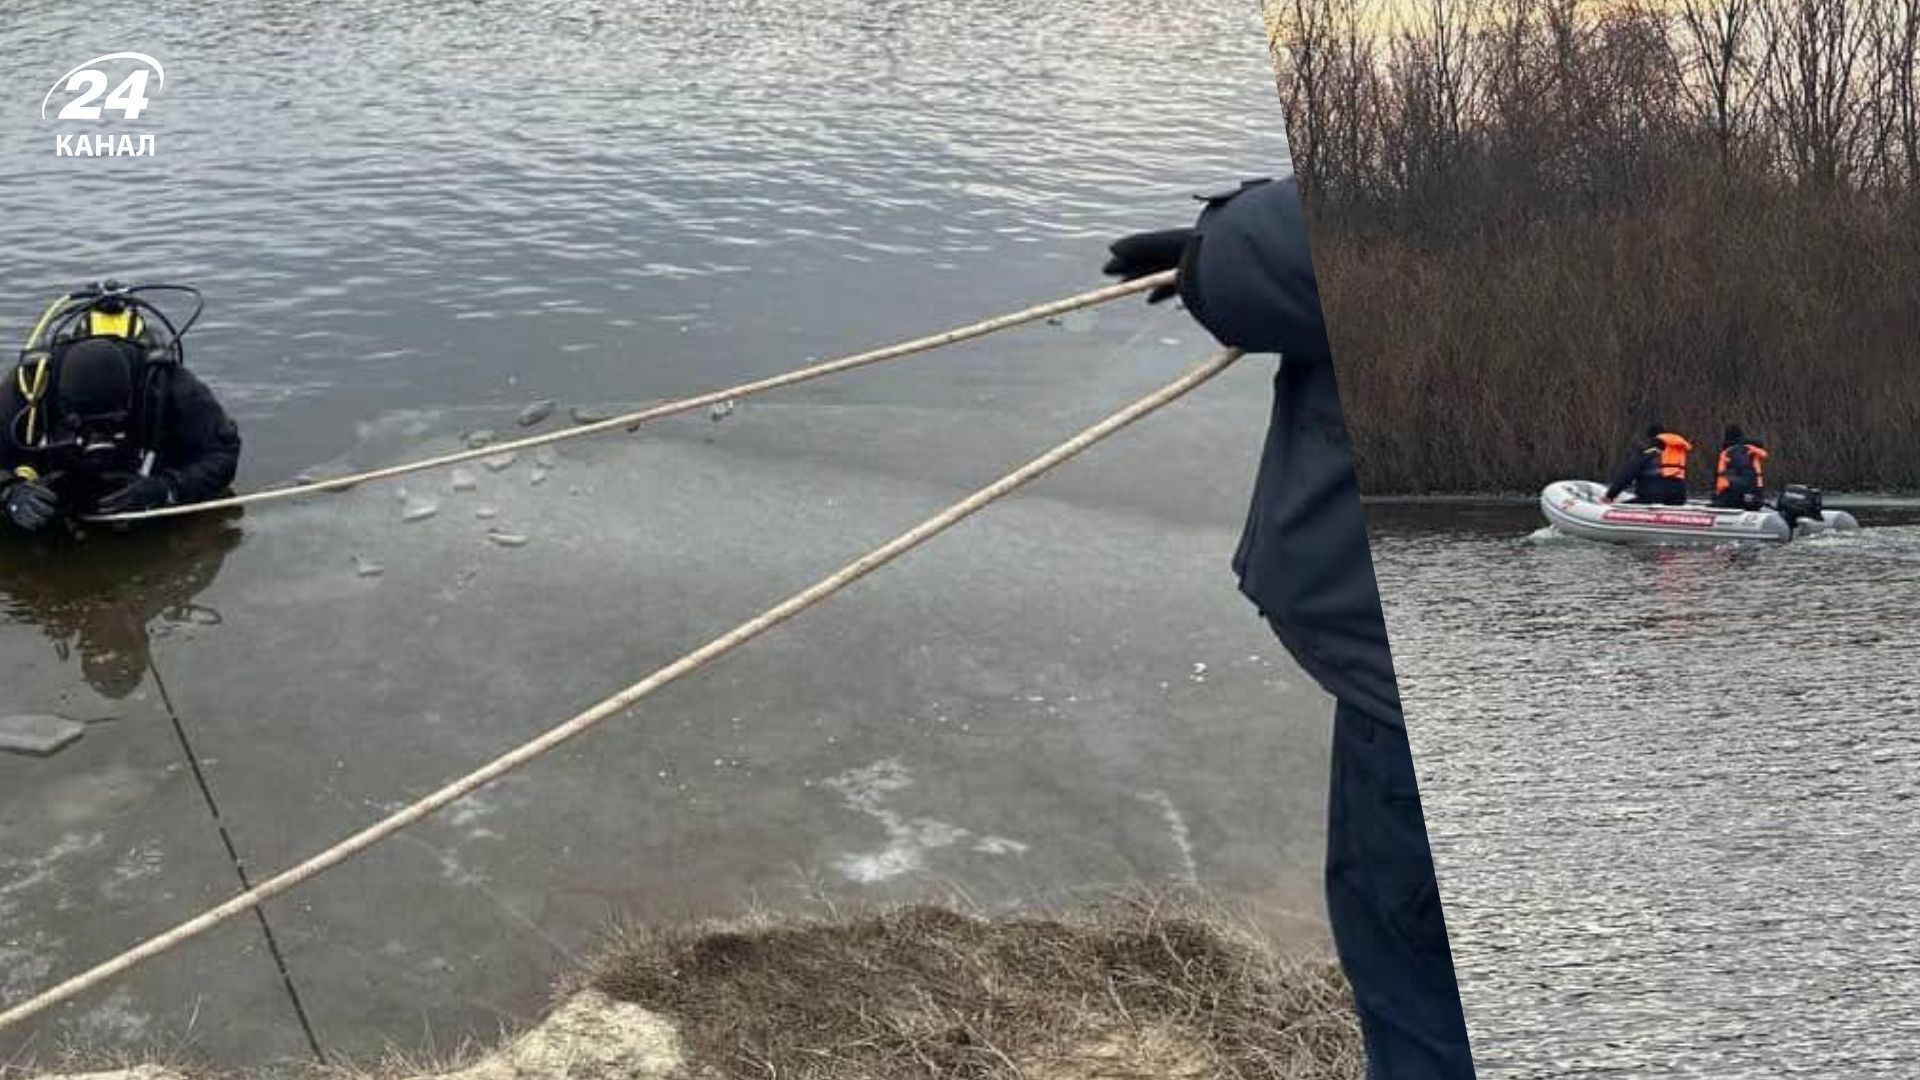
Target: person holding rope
101	416
1246	275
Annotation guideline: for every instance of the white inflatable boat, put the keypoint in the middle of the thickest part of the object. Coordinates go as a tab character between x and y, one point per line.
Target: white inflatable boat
1575	507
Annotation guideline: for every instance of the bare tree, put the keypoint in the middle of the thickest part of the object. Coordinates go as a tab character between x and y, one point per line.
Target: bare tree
1430	91
1301	35
1324	54
1721	67
1896	37
1818	53
1464	113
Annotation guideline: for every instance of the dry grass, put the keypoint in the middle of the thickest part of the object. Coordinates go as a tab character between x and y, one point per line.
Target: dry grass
1137	989
1530	355
166	1057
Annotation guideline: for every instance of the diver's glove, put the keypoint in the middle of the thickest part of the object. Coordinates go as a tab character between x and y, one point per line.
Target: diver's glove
1146	253
135	493
29	504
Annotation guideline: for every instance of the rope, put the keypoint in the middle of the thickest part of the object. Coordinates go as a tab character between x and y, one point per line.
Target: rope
685	665
665	409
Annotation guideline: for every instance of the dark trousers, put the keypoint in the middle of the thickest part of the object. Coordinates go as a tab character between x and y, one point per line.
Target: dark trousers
1659	490
1384	904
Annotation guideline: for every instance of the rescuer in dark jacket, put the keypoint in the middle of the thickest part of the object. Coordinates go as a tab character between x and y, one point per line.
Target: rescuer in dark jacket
1656	470
1740	473
1246	274
111	432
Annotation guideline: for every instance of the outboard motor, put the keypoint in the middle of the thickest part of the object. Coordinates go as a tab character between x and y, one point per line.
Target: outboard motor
1799	502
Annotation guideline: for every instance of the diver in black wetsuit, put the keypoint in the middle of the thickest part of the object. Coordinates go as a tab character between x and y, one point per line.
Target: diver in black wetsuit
101	417
1246	274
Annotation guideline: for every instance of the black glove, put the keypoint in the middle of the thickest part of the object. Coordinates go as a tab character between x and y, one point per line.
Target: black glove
1146	253
135	493
31	505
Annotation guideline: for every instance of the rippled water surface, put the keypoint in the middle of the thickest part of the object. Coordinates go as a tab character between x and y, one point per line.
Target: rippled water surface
1672	792
423	203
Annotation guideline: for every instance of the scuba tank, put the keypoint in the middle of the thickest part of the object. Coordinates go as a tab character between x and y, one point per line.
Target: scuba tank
104	310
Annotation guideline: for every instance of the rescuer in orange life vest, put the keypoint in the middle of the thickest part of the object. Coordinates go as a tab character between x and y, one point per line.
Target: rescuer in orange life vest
1657	471
1740	476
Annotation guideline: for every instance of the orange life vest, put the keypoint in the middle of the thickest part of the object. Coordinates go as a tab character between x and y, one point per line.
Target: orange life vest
1750	470
1673	455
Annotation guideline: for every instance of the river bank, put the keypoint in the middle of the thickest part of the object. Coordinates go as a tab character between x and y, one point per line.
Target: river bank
1147	988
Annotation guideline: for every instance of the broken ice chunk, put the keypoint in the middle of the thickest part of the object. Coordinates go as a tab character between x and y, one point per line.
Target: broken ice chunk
39	734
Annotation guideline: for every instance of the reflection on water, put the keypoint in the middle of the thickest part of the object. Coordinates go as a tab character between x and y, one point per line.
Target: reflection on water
100	600
1672	791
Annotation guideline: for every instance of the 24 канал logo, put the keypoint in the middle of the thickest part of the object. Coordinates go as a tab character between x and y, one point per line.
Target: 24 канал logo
83	88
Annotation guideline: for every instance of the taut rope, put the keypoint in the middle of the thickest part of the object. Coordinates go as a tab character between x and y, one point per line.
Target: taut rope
691	662
669	408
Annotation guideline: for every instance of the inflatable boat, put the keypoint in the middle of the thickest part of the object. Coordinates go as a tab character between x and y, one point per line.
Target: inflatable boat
1576	508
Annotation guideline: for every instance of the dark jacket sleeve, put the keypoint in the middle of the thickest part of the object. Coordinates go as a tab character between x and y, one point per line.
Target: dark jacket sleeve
11	402
10	456
1303	558
1629	469
1247	275
199	443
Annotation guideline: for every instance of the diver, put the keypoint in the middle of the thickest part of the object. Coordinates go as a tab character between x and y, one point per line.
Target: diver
1657	471
1245	273
1740	475
102	417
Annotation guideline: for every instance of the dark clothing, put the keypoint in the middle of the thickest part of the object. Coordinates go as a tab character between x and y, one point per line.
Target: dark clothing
1303	557
1384	905
1303	560
196	445
1737	480
1659	490
96	376
1641	472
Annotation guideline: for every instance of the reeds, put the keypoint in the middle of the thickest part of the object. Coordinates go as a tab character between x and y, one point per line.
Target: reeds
1541	224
